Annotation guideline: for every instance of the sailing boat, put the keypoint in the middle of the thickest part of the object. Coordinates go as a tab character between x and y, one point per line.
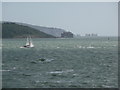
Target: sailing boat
29	43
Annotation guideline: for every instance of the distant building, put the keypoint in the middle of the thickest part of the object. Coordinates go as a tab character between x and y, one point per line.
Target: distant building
77	36
93	35
67	35
87	35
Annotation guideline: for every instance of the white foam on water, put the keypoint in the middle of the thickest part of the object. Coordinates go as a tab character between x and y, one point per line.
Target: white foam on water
21	47
58	81
90	47
58	47
4	70
80	47
58	72
71	70
114	45
105	86
14	67
49	60
75	74
37	81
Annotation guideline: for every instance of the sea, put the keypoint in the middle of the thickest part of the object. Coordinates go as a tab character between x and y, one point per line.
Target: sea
85	62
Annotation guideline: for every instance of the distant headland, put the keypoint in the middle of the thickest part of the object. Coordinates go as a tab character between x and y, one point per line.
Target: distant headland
21	30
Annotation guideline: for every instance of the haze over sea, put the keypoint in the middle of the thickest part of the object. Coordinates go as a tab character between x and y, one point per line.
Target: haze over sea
69	62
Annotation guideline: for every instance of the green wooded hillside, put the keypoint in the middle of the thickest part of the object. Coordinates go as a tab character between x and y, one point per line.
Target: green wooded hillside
13	30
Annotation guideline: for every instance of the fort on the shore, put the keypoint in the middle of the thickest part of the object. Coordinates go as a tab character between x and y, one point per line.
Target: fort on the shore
67	35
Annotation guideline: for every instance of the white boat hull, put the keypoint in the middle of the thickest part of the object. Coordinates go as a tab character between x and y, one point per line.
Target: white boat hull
26	47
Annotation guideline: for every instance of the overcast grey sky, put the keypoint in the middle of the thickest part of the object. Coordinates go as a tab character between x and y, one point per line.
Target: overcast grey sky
77	17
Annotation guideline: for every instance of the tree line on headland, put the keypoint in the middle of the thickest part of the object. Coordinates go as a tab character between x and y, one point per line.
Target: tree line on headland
15	30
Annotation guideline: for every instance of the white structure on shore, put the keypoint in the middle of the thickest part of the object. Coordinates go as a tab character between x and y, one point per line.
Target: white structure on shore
91	35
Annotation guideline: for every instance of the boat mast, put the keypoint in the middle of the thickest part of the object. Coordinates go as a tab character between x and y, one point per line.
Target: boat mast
27	43
29	40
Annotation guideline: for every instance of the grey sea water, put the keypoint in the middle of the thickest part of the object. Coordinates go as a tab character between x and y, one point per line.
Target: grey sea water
70	63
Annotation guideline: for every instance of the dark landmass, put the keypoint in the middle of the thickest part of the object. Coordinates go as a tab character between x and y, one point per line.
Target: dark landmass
48	30
14	30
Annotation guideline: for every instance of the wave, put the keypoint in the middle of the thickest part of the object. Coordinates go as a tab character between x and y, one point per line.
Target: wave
4	70
114	45
58	72
58	47
49	60
88	47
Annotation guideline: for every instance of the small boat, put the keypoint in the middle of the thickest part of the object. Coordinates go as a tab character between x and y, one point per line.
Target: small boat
29	43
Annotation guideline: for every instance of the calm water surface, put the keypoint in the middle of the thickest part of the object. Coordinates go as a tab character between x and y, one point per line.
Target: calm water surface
73	63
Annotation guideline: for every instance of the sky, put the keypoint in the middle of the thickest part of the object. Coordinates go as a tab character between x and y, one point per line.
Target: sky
78	17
